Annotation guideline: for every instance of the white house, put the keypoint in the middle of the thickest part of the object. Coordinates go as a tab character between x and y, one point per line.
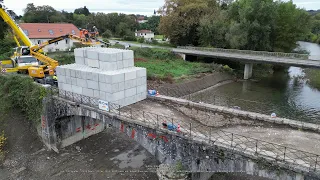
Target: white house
41	32
147	34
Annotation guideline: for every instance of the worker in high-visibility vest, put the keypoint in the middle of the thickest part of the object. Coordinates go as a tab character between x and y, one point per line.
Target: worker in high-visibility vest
86	34
80	32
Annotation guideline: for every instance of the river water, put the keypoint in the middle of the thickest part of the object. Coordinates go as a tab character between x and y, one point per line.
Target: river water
282	93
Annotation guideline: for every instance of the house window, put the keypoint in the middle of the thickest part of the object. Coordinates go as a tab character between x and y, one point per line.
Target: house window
26	32
39	41
60	30
51	32
67	41
141	34
39	30
73	32
145	34
56	43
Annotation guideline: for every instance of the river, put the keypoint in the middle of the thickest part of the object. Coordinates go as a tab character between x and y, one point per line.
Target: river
281	93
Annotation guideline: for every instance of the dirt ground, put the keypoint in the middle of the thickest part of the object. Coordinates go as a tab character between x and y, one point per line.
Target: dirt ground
106	155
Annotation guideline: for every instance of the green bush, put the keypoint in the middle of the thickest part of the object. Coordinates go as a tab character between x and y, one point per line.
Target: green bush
117	46
226	68
141	40
107	34
153	53
20	92
66	58
129	38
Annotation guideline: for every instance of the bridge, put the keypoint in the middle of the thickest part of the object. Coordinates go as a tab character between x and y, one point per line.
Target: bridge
69	117
249	57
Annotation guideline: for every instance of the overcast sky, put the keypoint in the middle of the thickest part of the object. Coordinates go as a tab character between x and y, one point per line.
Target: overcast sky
145	7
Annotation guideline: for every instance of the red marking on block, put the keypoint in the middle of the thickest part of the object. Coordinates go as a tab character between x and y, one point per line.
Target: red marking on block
78	129
178	130
93	128
96	125
151	135
133	132
122	127
88	126
164	138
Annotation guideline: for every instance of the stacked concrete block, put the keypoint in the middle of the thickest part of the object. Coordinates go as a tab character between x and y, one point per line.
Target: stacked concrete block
104	73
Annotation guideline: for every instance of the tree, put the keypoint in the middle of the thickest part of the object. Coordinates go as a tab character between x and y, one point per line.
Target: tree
83	10
180	19
153	24
107	34
42	14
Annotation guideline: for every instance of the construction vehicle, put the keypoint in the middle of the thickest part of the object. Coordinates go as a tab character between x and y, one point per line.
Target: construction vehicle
24	58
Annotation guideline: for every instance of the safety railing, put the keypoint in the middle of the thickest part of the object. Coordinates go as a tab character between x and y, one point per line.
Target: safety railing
248	52
197	131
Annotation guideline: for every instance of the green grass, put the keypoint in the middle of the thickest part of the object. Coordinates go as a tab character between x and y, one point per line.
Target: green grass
158	36
162	64
314	77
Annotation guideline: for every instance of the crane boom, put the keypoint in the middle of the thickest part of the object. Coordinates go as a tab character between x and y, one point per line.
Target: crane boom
17	30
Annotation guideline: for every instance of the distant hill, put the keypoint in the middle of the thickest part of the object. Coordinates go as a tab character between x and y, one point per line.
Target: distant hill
313	12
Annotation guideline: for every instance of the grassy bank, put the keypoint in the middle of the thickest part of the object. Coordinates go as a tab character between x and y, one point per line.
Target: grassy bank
164	65
313	76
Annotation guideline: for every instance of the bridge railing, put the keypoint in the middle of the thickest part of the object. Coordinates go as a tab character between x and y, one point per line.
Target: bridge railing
196	130
248	52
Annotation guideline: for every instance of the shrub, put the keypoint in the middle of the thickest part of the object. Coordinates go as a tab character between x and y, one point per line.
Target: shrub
141	40
65	58
129	38
107	34
117	46
154	53
20	92
226	68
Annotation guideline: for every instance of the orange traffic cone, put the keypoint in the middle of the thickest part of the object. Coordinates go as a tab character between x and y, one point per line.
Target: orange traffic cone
178	130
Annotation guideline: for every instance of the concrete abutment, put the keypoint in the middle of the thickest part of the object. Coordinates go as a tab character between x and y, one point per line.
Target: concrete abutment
247	71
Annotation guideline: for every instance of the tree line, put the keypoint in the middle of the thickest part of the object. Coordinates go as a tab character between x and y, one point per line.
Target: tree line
262	25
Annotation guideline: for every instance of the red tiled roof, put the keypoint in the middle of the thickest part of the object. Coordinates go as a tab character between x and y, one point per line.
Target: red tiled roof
144	31
42	30
140	18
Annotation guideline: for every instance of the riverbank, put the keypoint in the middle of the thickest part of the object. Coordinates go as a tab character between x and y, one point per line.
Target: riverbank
313	76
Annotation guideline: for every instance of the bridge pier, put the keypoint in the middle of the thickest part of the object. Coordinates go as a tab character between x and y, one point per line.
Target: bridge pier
248	71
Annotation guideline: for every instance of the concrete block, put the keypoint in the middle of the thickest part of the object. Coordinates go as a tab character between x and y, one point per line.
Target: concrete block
79	60
94	63
61	79
121	86
130	92
87	92
73	81
101	77
96	93
89	75
141	81
78	73
82	82
119	56
68	80
72	73
79	52
60	71
131	100
118	95
76	89
67	87
131	74
130	83
122	102
120	64
67	72
105	87
142	88
128	54
115	88
141	72
93	54
61	85
95	76
93	84
107	56
102	95
83	74
116	78
128	63
108	66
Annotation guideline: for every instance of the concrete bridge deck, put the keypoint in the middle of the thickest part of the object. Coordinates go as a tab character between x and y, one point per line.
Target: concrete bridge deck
242	136
238	55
